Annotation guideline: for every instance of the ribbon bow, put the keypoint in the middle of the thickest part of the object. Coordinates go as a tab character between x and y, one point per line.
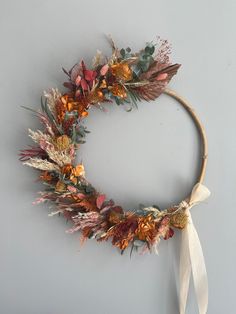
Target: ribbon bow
191	255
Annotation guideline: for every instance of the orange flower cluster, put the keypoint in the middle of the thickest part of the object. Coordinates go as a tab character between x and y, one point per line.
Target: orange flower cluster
90	87
67	104
118	90
96	96
122	71
133	227
146	230
123	232
73	172
45	176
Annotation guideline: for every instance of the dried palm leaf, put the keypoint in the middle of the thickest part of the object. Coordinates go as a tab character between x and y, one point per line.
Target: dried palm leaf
158	76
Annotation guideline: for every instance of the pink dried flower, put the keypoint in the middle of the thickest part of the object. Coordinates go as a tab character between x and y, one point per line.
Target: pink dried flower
86	220
100	200
104	69
162	77
71	189
45	121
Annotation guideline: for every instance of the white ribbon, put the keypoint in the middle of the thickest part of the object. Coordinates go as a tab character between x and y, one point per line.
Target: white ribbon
191	255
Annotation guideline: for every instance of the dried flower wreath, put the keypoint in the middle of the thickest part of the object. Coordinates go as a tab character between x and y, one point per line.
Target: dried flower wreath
125	78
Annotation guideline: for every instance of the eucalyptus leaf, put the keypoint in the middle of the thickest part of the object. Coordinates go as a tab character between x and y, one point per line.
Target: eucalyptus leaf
122	52
139	243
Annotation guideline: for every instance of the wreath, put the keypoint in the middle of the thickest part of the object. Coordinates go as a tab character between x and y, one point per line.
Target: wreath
125	78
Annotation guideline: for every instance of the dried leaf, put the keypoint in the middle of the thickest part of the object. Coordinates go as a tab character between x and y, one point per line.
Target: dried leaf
100	200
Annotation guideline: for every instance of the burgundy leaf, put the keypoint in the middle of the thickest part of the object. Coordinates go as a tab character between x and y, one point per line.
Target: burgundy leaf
69	85
90	75
84	84
75	71
66	72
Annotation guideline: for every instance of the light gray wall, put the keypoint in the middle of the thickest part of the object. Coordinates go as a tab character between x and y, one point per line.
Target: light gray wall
147	156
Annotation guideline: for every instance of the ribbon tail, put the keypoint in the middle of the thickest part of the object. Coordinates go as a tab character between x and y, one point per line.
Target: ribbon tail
184	270
192	259
198	269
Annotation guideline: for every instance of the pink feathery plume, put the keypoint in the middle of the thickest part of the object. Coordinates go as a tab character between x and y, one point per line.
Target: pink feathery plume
32	152
46	122
85	220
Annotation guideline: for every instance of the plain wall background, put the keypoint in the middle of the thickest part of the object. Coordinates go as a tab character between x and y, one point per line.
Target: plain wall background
147	156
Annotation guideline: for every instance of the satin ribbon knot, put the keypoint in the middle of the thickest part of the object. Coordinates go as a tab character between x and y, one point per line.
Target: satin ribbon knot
191	255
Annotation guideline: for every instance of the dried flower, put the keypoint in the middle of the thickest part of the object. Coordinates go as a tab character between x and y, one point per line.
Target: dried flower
164	228
122	71
96	96
45	176
26	154
123	233
97	60
114	217
42	164
60	157
62	142
72	173
118	90
179	220
90	222
49	126
60	109
146	228
40	137
103	84
78	171
66	170
52	97
104	69
87	203
60	186
80	105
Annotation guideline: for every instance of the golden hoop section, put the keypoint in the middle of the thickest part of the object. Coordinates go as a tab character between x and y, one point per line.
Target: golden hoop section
201	130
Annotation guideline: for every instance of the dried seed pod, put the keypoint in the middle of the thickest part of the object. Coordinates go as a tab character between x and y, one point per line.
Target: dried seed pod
114	217
62	142
60	186
179	220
